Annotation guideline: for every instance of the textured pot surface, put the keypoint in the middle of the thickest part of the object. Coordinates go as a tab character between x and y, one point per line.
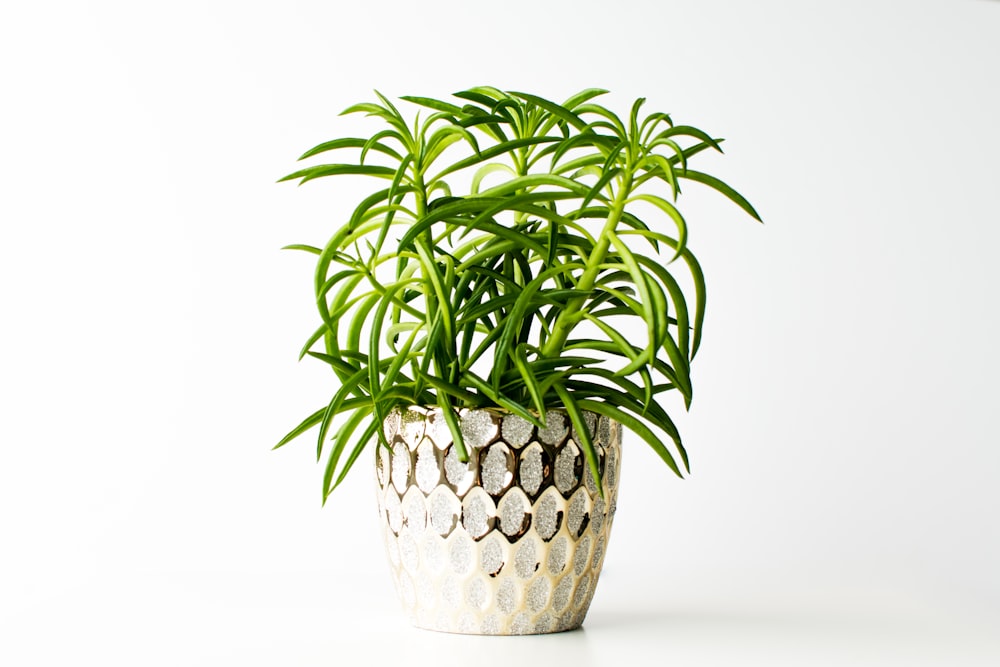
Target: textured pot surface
511	542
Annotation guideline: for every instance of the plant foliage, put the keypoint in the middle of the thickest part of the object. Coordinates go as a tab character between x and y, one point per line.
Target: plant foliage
516	253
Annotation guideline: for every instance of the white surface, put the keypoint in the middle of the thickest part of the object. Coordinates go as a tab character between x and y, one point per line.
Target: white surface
844	504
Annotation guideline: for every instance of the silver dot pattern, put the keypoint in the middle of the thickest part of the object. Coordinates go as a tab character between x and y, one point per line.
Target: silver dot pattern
511	543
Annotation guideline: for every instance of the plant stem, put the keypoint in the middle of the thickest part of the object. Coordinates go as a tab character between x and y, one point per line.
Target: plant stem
570	315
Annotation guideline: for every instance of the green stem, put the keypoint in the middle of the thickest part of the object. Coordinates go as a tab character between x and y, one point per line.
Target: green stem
571	314
521	169
420	193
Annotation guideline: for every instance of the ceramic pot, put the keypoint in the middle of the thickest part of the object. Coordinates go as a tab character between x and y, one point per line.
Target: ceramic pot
511	542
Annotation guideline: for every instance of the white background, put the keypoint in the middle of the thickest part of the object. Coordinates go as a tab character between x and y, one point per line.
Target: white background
844	502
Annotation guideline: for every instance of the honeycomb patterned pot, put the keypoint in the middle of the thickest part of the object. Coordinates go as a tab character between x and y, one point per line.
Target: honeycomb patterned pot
511	542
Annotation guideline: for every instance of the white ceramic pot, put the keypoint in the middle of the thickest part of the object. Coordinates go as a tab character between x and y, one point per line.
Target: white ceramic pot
511	542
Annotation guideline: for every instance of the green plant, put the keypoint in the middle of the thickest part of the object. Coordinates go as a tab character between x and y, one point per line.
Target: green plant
440	290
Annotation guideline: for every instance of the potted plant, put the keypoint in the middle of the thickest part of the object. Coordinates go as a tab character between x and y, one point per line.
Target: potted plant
513	293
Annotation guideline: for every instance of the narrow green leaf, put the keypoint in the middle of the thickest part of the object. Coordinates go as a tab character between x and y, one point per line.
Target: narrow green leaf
687	130
304	426
557	110
448	412
340	440
634	425
504	148
333	408
530	382
501	400
719	186
319	171
362	443
583	432
307	248
354	143
673	213
431	103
